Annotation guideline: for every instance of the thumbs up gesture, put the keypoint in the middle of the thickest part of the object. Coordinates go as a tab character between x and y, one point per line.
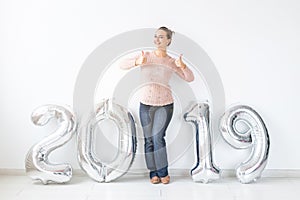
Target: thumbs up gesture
141	59
180	63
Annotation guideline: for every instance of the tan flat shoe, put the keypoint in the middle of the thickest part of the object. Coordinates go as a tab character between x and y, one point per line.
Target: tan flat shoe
165	180
155	180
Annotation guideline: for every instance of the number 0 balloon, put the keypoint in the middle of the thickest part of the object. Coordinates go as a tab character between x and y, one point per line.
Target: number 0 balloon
96	169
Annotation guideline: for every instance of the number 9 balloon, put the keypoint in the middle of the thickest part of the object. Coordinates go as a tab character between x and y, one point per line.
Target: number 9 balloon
37	165
255	137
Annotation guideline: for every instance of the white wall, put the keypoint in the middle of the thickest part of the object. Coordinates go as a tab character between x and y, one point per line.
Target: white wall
253	44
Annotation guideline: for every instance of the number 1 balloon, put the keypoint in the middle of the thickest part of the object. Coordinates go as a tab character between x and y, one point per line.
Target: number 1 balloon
37	164
205	170
255	137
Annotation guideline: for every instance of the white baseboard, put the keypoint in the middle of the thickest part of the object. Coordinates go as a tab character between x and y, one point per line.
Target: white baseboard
278	173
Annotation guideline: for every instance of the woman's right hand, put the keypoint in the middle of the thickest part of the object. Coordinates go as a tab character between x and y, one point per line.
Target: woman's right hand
141	59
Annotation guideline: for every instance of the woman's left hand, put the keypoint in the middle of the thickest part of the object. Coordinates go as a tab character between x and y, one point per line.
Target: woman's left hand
180	63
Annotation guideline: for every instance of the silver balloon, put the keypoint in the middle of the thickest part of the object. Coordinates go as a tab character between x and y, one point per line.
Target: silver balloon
37	164
97	170
205	169
252	133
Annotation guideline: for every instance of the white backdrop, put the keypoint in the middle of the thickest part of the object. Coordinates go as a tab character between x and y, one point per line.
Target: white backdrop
254	45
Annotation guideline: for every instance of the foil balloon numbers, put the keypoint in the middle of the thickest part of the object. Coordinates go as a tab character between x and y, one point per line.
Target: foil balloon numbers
253	134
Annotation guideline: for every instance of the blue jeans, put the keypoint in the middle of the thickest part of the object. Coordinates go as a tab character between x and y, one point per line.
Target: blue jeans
155	121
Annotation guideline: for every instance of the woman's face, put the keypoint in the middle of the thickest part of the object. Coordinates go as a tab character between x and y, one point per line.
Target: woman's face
161	40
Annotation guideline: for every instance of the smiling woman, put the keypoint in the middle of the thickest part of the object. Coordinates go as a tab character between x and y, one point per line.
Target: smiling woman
156	101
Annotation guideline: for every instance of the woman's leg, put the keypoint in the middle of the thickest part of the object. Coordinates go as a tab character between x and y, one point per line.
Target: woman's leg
146	116
161	120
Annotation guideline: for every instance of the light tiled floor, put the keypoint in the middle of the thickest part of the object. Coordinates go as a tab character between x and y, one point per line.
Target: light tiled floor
138	188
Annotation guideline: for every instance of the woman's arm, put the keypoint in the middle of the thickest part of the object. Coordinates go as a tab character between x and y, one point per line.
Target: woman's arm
128	63
131	62
182	70
185	73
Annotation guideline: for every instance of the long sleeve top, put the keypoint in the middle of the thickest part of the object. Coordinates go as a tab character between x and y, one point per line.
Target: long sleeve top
156	73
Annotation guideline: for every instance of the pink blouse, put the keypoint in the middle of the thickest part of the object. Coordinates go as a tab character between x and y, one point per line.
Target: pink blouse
156	73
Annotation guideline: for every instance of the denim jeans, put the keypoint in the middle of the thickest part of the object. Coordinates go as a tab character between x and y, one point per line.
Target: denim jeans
155	121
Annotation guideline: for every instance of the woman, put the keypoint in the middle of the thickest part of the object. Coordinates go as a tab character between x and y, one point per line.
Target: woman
156	103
